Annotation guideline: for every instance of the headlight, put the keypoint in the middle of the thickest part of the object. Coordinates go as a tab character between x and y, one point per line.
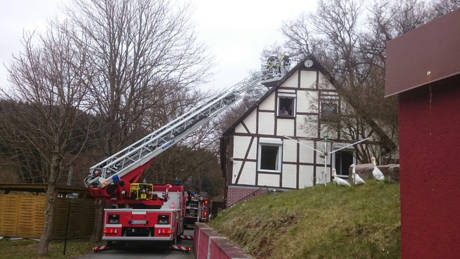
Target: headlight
163	219
114	219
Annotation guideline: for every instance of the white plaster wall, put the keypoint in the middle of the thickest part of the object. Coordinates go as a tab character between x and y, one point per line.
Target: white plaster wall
250	122
236	169
292	81
267	123
272	180
319	157
322	178
328	131
289	151
307	101
268	103
306	155
323	83
240	129
308	79
307	126
289	176
285	127
248	175
305	176
240	145
253	151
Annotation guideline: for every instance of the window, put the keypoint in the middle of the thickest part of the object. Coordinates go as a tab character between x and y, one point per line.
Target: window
286	106
270	151
328	109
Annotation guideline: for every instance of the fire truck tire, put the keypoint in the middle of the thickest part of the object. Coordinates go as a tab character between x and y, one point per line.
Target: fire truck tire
111	244
115	244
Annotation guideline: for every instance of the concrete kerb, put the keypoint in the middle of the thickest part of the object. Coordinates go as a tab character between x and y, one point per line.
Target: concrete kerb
209	244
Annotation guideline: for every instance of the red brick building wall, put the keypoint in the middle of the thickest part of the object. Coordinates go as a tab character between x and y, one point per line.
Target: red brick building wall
429	131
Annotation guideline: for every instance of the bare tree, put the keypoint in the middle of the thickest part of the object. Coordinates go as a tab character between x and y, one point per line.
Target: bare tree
349	40
187	163
16	152
48	98
442	7
337	24
298	34
144	54
146	58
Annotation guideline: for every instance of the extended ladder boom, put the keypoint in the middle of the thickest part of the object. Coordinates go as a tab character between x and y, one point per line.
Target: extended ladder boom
145	149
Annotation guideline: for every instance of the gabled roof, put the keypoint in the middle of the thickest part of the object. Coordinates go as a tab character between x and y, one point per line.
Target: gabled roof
274	85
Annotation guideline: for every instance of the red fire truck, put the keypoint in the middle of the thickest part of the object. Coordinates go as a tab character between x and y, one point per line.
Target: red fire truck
142	211
161	219
196	208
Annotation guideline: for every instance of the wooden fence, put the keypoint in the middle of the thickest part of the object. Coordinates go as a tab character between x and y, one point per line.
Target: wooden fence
22	215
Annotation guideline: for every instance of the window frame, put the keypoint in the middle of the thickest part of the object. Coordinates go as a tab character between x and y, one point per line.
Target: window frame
329	102
274	143
294	105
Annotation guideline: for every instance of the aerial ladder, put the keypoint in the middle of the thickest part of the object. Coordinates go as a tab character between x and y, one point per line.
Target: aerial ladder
110	176
142	211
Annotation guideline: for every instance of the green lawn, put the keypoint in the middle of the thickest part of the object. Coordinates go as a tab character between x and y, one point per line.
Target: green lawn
319	222
28	249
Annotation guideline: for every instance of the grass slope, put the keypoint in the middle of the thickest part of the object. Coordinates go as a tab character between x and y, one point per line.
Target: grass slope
318	222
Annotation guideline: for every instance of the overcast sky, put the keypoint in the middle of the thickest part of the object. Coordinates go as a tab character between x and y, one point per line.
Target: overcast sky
235	31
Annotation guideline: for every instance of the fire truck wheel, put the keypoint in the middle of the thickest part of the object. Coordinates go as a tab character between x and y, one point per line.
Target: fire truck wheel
115	244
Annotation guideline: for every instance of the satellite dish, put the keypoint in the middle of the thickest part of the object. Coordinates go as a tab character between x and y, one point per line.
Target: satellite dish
308	63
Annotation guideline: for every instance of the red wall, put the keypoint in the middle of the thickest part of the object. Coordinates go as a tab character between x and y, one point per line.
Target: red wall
210	245
236	194
429	132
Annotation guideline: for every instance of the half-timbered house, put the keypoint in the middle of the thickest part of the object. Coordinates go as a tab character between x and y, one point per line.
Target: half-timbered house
272	145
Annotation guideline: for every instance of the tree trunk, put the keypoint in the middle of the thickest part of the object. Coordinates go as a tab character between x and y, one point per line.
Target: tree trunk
50	205
96	235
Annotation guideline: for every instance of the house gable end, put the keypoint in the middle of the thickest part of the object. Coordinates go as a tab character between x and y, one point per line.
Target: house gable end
291	108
